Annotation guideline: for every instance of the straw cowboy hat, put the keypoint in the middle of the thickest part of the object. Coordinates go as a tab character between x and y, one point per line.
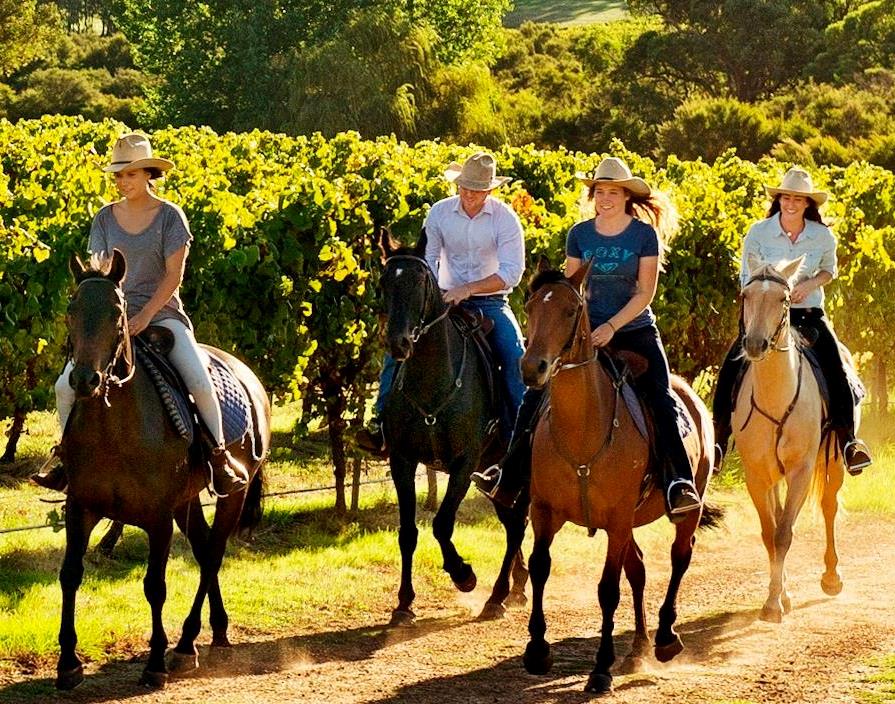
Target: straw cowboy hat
133	151
614	170
797	182
478	173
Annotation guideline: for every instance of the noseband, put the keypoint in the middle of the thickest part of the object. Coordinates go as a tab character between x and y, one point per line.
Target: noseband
122	347
774	339
430	287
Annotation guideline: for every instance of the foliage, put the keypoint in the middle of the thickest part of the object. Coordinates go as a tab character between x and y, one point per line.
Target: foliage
707	127
863	40
26	32
467	31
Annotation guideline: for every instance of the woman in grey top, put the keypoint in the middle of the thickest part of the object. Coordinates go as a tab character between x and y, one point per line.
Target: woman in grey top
154	237
794	229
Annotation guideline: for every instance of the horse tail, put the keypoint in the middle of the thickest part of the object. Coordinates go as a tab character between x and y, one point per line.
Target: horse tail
253	507
827	453
712	516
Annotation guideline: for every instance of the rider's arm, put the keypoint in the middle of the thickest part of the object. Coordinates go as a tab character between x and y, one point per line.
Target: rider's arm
174	266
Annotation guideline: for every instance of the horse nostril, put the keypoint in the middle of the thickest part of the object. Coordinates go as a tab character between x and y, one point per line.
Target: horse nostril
542	366
95	380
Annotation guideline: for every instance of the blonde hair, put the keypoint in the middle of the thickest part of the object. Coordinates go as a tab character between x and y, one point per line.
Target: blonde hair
657	209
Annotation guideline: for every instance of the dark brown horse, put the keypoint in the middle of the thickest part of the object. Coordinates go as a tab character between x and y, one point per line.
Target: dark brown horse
125	461
588	467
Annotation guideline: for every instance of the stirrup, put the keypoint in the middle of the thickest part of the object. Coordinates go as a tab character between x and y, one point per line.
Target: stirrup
676	511
488	480
860	448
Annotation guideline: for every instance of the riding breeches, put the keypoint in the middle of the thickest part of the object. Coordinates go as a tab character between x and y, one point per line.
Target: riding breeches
190	361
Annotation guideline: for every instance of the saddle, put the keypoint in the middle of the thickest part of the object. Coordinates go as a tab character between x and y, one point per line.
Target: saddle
152	348
475	326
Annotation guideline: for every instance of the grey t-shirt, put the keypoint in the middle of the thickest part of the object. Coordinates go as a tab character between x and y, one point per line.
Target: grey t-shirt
145	253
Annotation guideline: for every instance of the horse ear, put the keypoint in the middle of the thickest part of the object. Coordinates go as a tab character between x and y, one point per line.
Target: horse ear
118	268
753	262
420	248
791	269
580	277
543	263
76	266
387	245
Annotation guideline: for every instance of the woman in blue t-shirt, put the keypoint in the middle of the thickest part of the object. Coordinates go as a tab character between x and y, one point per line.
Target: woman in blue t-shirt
625	239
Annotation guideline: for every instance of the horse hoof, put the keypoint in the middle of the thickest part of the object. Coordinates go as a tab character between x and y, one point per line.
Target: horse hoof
153	680
668	651
403	618
831	585
492	611
69	679
467	583
598	683
516	599
771	614
180	664
630	665
537	659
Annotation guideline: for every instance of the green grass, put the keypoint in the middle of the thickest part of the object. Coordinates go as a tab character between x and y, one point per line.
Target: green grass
565	12
879	684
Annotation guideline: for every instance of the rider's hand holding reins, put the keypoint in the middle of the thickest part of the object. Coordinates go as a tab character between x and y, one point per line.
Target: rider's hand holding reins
457	294
602	335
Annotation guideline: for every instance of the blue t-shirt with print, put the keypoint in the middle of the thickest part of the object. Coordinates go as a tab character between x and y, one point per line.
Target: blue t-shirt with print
613	277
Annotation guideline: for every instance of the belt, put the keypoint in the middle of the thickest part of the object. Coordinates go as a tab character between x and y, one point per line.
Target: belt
490	297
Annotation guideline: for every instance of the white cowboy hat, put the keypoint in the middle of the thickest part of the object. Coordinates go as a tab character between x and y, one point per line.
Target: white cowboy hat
478	173
614	170
133	151
798	182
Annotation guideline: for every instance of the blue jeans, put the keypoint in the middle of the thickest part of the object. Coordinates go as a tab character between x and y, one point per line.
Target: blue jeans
506	344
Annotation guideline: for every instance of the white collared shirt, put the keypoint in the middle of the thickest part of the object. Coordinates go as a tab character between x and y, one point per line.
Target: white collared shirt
460	249
767	239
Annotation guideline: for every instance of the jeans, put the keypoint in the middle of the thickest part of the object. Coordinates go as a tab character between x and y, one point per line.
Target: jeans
506	344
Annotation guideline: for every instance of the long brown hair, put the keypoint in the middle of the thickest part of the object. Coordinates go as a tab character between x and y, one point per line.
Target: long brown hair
657	209
811	212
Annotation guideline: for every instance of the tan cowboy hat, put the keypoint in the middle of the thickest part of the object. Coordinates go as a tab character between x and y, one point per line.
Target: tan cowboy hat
133	151
798	182
478	173
614	170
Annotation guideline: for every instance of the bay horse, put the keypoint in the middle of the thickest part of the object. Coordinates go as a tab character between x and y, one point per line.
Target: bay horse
589	465
439	410
125	461
778	423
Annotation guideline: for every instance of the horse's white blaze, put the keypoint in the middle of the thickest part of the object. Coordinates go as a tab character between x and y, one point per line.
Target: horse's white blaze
548	296
398	272
765	285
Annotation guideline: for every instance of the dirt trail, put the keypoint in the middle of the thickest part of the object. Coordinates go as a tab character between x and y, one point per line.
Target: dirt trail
818	655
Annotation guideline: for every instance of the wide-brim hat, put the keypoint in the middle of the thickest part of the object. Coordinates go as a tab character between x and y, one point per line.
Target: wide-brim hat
477	173
133	151
614	170
797	182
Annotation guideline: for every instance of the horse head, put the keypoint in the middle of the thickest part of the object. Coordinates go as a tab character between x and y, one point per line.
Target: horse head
556	320
97	324
410	292
766	303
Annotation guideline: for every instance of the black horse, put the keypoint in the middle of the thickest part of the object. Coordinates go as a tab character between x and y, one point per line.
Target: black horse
126	461
439	411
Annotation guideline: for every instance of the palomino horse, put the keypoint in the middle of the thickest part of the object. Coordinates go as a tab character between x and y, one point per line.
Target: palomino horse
777	424
439	409
589	463
125	461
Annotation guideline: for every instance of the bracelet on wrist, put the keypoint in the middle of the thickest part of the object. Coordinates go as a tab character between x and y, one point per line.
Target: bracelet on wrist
611	326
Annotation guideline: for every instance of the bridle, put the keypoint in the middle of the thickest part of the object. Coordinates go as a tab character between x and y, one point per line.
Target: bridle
774	339
557	365
122	350
430	287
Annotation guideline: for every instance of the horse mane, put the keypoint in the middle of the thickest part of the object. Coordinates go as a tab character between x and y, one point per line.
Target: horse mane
404	250
99	264
542	278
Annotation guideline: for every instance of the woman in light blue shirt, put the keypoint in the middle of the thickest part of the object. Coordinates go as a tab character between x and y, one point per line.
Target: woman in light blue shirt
793	229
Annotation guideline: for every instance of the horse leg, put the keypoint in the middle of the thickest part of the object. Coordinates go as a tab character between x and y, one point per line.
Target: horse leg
403	478
79	524
764	499
108	542
831	582
635	571
191	521
777	505
668	642
798	482
154	588
600	680
514	521
537	658
461	572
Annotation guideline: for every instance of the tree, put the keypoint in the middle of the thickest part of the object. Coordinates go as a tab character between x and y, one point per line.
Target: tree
864	39
26	32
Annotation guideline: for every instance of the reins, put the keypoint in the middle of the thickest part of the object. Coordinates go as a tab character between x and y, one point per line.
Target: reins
429	417
122	349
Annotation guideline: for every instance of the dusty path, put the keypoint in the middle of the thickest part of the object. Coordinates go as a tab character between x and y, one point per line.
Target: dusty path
818	655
